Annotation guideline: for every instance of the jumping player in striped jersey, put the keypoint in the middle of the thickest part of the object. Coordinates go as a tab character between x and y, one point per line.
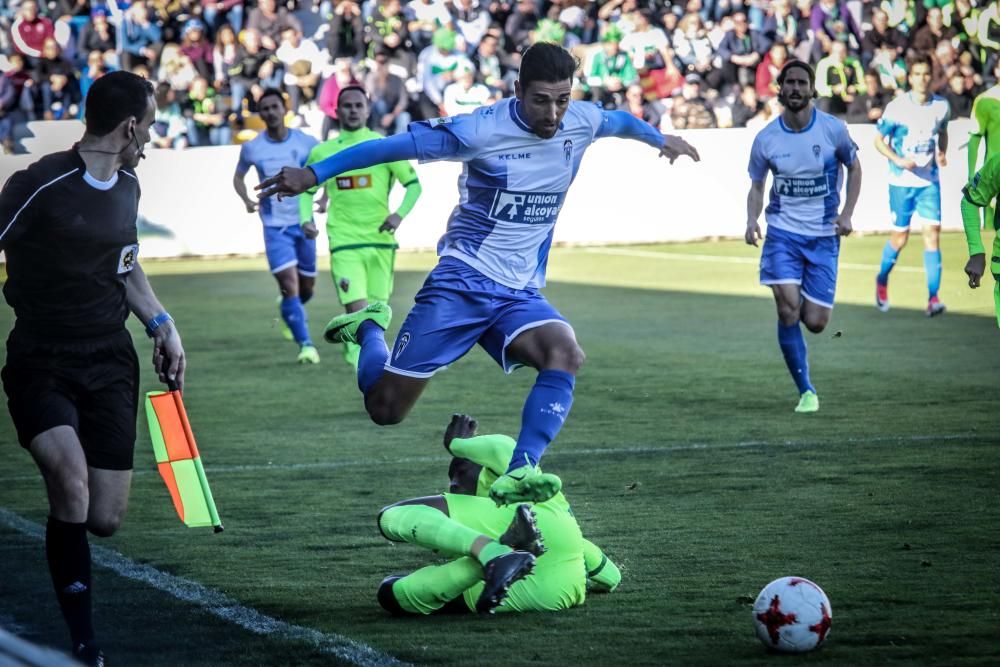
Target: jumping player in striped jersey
804	150
519	157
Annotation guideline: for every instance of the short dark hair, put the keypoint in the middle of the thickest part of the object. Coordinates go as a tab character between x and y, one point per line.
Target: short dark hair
919	59
272	92
546	62
801	64
113	98
355	87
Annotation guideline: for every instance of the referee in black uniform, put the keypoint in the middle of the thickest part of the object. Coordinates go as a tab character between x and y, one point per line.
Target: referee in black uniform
68	228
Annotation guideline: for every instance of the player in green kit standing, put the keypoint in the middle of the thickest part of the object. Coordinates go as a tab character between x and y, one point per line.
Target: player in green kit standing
980	193
986	113
359	226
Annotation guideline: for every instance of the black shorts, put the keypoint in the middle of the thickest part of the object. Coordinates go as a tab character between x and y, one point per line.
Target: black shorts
92	386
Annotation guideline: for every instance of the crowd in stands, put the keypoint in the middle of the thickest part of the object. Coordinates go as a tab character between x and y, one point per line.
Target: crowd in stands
676	63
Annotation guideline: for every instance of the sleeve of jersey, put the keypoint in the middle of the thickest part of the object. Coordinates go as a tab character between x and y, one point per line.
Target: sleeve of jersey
493	452
15	207
984	186
449	138
603	576
243	166
626	126
758	167
366	154
847	150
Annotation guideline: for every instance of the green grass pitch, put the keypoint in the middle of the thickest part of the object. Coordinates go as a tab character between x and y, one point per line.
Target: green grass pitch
682	458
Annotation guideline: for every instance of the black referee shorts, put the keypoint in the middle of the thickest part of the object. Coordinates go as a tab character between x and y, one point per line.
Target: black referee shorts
92	386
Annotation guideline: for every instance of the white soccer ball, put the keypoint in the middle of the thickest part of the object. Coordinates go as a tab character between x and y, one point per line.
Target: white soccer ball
792	615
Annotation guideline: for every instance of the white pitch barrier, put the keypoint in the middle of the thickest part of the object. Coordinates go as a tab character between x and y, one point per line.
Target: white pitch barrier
623	193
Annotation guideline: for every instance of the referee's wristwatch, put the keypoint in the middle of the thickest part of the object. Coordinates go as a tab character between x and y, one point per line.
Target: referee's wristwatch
158	321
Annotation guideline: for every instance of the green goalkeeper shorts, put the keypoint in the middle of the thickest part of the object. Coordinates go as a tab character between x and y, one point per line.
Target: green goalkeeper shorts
559	580
363	273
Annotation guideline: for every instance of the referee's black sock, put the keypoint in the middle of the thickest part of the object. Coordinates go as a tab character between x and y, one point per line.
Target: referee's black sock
68	552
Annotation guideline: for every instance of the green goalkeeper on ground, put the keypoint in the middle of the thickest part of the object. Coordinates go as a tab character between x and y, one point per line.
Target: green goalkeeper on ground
359	225
491	546
986	113
980	193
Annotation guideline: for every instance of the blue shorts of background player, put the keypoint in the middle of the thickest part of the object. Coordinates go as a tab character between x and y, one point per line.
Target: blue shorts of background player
924	201
287	247
807	261
458	307
905	204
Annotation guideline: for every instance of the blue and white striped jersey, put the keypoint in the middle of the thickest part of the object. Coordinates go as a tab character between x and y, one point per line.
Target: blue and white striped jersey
268	157
912	130
807	172
513	183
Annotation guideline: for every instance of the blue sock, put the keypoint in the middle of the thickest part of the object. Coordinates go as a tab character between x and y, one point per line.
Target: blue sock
793	346
544	412
889	256
295	317
371	362
932	264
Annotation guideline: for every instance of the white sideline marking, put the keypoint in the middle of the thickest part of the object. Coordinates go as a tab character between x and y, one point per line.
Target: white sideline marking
725	259
216	603
556	454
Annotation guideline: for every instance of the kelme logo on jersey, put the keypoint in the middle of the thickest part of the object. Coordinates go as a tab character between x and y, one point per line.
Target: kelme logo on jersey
526	208
815	186
568	151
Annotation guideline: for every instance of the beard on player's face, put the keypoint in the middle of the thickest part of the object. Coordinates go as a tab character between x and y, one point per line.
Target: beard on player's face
794	102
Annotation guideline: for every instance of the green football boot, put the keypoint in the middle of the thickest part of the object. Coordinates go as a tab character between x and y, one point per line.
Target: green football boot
526	484
308	355
344	328
808	402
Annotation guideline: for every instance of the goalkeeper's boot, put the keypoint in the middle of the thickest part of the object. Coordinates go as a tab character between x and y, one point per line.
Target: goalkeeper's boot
935	307
286	333
808	402
882	296
344	328
522	534
387	598
499	574
526	484
88	653
308	354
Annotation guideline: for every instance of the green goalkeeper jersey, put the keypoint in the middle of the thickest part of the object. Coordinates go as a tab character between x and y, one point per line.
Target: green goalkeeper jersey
980	191
359	199
986	113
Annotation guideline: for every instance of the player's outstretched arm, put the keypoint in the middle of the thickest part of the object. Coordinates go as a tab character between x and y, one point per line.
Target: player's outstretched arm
168	352
980	191
626	126
291	181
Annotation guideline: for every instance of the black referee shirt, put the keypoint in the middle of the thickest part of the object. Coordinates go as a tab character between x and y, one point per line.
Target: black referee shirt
70	243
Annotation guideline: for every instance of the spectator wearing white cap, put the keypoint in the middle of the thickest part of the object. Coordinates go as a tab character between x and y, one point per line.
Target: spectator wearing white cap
465	95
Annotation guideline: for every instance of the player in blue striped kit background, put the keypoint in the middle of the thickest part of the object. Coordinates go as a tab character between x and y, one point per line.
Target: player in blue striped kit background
804	149
519	158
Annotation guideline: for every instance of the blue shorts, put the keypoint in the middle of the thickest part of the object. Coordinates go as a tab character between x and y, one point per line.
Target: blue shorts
458	307
808	261
288	246
924	201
